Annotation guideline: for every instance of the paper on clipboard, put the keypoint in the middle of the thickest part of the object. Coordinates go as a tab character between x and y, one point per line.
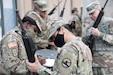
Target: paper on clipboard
49	62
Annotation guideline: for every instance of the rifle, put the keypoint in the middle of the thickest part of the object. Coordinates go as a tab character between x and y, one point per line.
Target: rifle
90	40
62	12
28	42
52	11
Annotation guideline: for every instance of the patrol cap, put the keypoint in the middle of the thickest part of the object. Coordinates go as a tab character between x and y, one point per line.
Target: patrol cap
42	5
35	17
74	9
92	7
29	19
55	25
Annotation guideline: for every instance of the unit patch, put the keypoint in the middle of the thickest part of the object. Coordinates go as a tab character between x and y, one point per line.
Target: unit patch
66	63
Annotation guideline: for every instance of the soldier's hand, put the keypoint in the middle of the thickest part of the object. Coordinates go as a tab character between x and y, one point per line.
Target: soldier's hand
94	31
33	67
51	43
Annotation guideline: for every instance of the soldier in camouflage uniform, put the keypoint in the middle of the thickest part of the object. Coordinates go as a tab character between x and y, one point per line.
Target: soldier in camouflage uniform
103	41
13	50
39	14
74	57
75	22
3	71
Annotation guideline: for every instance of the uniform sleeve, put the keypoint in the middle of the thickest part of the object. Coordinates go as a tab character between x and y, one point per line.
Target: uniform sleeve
42	38
65	61
38	40
108	37
45	71
86	34
14	54
41	43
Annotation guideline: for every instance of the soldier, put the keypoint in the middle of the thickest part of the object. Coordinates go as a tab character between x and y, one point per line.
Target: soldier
13	50
39	14
74	57
103	41
41	7
75	11
3	71
75	22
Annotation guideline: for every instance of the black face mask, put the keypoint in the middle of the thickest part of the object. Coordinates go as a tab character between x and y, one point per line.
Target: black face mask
59	40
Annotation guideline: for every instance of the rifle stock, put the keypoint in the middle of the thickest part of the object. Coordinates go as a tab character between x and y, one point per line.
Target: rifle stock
28	42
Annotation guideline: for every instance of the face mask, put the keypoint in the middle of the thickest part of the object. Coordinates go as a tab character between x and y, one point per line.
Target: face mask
59	40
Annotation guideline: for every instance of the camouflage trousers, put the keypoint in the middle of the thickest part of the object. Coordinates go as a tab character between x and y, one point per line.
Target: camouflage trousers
102	71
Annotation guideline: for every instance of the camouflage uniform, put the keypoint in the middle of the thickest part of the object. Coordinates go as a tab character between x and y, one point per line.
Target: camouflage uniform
77	30
42	38
102	46
3	71
75	22
74	57
13	53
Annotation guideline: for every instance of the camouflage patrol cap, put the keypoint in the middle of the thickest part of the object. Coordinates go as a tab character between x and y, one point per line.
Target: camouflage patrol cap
92	7
35	17
55	25
42	5
74	9
30	20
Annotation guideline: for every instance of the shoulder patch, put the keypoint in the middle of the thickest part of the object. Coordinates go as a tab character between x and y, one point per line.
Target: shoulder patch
12	44
66	63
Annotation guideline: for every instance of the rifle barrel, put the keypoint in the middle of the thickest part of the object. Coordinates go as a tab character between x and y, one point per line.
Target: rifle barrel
19	20
105	3
62	12
52	11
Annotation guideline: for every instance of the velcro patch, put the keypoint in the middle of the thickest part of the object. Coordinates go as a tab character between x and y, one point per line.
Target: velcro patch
66	63
12	44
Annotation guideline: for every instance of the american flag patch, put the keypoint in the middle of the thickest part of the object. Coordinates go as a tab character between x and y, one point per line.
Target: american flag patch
12	44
